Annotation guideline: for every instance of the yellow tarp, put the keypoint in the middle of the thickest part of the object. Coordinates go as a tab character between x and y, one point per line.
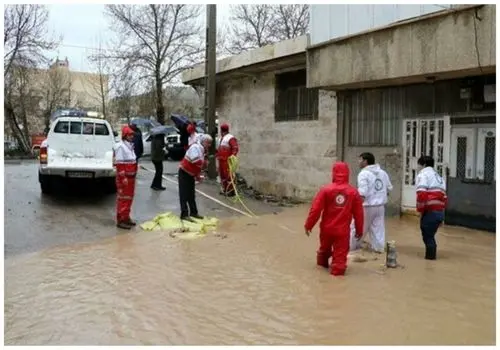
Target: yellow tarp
178	228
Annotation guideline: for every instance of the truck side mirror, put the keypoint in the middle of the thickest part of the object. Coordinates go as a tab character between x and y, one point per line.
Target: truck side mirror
115	133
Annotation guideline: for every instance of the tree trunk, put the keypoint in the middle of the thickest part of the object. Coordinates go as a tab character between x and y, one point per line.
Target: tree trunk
160	110
103	96
16	130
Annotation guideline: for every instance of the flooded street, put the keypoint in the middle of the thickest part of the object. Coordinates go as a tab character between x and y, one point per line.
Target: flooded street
260	285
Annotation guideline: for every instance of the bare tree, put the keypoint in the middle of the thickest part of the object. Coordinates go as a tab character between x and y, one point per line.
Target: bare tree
124	86
57	88
100	90
159	41
25	31
256	26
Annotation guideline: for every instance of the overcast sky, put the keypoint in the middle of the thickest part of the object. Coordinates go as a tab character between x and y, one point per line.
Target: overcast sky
81	27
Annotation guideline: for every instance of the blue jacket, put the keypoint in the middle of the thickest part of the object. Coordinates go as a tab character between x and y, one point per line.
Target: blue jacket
138	146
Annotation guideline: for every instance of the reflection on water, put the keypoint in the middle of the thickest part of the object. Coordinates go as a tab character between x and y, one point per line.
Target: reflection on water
257	286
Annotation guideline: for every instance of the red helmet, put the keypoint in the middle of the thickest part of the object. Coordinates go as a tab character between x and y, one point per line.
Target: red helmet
224	127
127	130
190	128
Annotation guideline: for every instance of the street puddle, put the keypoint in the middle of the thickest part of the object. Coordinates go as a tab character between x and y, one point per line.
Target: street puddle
260	285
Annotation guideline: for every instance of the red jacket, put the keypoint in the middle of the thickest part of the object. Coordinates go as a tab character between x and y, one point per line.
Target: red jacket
431	191
228	146
194	160
339	202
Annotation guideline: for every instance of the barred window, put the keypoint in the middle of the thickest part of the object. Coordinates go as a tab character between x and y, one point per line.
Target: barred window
374	116
293	100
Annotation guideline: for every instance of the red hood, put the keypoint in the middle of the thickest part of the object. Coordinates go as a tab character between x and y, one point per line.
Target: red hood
340	173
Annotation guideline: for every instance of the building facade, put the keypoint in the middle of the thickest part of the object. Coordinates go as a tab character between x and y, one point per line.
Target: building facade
425	85
421	85
38	92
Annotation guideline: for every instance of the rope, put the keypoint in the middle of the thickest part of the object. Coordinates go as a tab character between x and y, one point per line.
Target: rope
233	164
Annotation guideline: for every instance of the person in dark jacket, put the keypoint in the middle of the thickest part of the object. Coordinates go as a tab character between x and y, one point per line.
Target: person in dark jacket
138	146
157	157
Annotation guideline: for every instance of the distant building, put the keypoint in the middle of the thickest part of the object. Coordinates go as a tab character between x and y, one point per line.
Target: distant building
44	90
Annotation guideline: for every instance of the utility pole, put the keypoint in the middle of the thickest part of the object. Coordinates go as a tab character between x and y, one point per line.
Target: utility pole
210	62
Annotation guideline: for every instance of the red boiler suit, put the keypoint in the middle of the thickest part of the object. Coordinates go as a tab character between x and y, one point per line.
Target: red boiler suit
228	146
339	202
126	171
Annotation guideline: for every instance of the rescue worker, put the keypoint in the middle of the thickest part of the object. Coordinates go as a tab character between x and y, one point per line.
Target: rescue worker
338	203
126	171
189	172
431	203
228	146
193	135
138	145
373	186
157	158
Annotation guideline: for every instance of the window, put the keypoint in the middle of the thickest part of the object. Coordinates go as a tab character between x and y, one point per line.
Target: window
88	128
75	128
61	127
374	116
293	100
101	129
473	153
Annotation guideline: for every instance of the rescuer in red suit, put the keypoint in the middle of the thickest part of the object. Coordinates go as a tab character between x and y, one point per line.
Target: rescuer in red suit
339	202
228	146
125	162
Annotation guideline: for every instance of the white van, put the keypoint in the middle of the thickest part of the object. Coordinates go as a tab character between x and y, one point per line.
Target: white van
77	148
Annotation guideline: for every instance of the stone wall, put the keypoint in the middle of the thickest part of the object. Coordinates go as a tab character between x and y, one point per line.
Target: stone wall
286	158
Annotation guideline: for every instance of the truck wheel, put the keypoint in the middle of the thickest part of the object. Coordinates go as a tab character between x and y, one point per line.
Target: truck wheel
45	183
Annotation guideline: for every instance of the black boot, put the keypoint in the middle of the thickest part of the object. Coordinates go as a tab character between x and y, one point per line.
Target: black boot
430	253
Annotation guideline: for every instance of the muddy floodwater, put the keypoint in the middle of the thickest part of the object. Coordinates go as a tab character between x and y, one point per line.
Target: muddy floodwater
258	285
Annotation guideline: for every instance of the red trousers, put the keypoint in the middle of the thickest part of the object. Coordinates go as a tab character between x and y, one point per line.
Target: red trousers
225	177
125	187
335	245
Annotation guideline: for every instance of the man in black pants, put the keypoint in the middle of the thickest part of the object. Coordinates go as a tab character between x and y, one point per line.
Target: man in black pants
431	203
190	172
157	157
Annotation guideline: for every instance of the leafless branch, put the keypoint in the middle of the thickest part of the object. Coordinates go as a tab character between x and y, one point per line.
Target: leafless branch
256	26
157	42
25	40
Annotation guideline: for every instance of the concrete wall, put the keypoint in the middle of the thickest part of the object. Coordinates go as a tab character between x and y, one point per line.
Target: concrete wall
391	160
259	55
286	158
332	21
471	205
439	43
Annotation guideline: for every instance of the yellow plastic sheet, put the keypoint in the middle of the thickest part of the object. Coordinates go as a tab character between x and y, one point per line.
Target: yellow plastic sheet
178	228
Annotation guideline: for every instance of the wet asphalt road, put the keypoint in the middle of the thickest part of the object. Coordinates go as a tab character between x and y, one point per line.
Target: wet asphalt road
82	213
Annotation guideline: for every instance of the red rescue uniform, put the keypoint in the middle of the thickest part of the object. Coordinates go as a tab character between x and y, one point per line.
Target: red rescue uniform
228	146
126	171
338	203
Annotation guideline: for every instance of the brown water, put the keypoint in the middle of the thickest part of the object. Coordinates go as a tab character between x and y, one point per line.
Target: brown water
257	286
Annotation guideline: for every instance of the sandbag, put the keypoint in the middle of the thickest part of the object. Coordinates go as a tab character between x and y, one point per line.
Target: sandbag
178	228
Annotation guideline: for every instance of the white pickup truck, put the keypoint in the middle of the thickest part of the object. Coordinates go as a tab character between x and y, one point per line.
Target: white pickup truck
77	148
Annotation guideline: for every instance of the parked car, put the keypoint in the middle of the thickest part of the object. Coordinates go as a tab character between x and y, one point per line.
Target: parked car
79	148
